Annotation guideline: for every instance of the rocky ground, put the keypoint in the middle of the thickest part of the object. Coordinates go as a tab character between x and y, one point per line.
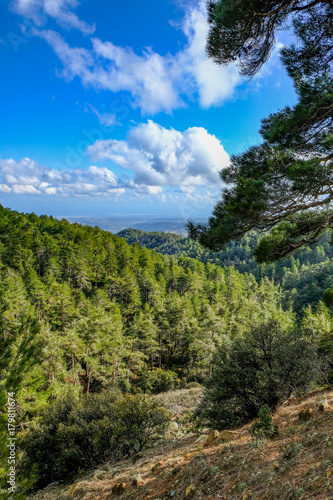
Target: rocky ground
298	464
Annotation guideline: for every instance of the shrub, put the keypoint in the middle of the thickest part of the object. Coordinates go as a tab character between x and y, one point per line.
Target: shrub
73	434
328	297
192	385
158	381
140	420
77	434
265	366
263	428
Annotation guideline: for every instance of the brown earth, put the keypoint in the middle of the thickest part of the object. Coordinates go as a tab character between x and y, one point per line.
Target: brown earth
298	464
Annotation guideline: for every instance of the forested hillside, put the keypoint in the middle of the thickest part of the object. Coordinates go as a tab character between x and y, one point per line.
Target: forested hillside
85	313
303	277
109	309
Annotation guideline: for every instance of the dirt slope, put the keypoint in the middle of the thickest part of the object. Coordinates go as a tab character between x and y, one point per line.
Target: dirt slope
296	465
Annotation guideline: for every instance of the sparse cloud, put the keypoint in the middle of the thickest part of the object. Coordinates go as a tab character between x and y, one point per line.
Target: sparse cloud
107	119
61	10
156	83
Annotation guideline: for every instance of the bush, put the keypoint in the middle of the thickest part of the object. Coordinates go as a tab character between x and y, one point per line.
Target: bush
158	381
328	297
73	435
192	385
77	434
140	420
265	366
263	428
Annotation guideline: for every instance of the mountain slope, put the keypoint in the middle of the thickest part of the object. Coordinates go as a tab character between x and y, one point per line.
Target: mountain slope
296	464
303	277
83	312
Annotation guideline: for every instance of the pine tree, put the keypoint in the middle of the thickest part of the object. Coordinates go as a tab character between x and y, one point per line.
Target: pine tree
283	184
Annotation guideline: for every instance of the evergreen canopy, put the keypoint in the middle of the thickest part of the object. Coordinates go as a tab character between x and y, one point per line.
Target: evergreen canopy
284	183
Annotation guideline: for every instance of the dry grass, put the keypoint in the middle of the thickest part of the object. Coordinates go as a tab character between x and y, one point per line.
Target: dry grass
181	402
296	465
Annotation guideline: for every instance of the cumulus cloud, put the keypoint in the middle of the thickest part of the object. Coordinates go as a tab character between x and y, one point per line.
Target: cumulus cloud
28	177
156	162
162	157
61	10
156	83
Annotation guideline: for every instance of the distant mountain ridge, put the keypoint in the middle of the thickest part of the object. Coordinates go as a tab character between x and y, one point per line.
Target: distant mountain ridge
173	225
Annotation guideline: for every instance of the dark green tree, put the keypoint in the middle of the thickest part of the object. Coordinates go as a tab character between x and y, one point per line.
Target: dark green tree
265	366
285	183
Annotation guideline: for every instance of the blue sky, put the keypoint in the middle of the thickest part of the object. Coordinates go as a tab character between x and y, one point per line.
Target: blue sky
113	108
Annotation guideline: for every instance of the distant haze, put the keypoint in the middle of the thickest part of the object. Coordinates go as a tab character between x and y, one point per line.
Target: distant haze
148	223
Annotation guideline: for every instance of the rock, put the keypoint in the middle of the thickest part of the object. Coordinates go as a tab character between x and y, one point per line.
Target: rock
119	488
211	438
137	480
173	426
173	493
65	495
189	489
305	414
52	484
226	436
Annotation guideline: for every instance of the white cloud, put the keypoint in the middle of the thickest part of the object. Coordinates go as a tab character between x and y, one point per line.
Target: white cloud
107	119
28	177
215	83
60	10
161	157
156	83
149	78
157	162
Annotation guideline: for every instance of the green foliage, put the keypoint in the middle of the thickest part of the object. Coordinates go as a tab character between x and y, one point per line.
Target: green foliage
319	324
328	297
76	434
263	428
73	434
244	31
302	277
265	366
140	420
158	381
95	312
82	313
285	182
